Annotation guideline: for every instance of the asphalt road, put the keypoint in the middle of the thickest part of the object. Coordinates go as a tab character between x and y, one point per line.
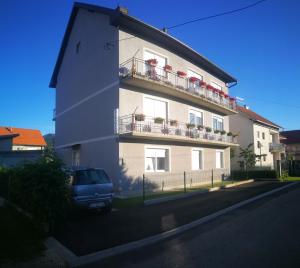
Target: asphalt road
263	234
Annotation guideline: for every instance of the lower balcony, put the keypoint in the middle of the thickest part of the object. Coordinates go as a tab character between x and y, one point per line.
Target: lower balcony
140	126
276	147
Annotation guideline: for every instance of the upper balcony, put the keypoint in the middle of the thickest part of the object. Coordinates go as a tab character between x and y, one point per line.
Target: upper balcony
143	74
145	127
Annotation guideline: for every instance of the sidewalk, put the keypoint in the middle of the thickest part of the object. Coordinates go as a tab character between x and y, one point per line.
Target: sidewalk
94	232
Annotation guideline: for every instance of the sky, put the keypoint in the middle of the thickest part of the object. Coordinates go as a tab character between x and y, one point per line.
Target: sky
259	46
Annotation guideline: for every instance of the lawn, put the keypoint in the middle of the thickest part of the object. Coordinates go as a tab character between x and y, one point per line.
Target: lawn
129	202
20	239
292	179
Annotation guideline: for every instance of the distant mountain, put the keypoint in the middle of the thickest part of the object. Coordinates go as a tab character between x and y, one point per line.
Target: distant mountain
50	139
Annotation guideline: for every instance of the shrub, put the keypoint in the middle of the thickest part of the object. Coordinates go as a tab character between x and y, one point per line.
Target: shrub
229	134
253	174
208	129
173	123
42	189
190	125
158	120
223	132
139	117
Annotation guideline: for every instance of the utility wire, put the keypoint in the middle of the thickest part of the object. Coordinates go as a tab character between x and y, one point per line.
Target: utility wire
217	15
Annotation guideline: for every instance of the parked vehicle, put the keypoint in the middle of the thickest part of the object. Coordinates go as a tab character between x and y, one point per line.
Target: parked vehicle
91	189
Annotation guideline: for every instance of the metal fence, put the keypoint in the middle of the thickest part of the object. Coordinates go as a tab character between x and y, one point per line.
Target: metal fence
155	183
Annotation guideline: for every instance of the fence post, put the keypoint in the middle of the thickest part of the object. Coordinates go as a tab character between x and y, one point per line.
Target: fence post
184	181
212	178
143	187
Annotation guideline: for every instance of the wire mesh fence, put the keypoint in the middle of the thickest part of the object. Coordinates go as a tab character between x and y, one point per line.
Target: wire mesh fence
181	182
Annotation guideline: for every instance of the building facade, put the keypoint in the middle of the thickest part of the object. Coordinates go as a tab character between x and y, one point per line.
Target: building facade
291	139
254	129
134	100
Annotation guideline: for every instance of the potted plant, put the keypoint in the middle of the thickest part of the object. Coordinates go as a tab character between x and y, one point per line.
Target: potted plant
200	127
208	129
168	68
158	120
223	132
190	125
173	123
202	84
216	131
152	62
139	117
181	74
229	134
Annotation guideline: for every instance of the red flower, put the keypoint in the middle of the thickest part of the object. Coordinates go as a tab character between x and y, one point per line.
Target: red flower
193	79
202	83
152	61
180	73
221	92
168	67
209	87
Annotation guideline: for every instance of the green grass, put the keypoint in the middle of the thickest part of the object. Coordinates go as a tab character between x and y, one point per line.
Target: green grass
129	202
291	179
20	239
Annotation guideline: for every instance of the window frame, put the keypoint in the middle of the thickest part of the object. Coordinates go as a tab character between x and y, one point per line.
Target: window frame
149	50
145	96
159	147
223	154
202	158
195	110
217	117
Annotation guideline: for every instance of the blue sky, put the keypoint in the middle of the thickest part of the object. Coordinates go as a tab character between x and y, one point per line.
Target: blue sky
258	46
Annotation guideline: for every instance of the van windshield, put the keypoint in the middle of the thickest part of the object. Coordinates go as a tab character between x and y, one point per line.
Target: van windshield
90	176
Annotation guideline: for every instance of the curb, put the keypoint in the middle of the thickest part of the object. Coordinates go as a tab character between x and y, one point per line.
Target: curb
75	261
186	195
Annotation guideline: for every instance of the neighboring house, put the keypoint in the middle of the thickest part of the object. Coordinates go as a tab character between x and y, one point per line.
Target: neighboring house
261	132
132	99
291	139
13	139
19	145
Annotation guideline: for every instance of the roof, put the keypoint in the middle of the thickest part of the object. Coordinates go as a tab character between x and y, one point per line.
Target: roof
140	28
291	136
22	136
256	117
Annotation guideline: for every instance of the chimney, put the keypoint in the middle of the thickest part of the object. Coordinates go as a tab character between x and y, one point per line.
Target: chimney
9	129
246	107
123	10
165	30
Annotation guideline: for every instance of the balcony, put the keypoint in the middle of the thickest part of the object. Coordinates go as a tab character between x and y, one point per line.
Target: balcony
276	147
143	127
140	73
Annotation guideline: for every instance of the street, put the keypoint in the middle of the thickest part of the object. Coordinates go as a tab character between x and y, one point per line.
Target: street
263	234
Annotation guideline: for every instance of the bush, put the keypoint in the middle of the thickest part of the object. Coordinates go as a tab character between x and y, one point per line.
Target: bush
41	188
253	174
4	181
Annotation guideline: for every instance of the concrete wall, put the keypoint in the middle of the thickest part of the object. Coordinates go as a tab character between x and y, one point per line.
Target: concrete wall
87	93
135	48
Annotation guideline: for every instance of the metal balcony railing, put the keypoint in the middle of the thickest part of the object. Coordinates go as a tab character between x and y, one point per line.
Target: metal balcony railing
145	124
196	87
276	147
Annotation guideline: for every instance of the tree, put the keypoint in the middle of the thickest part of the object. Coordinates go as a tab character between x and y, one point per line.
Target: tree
248	157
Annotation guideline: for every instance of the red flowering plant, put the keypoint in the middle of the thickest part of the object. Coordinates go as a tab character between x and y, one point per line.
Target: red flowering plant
202	84
168	68
209	87
152	62
181	73
222	93
193	79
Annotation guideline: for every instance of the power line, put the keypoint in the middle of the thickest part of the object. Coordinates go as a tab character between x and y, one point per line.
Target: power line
217	15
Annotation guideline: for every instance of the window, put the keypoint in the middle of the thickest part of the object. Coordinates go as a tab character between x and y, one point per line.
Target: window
258	144
194	85
215	85
75	157
257	134
218	123
263	135
156	159
219	159
161	62
196	117
197	159
155	108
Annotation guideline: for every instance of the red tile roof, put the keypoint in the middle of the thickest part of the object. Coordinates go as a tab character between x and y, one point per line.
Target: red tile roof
25	136
292	136
256	117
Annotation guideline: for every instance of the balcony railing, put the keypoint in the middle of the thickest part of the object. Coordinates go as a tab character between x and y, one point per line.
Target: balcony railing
142	69
144	124
276	147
